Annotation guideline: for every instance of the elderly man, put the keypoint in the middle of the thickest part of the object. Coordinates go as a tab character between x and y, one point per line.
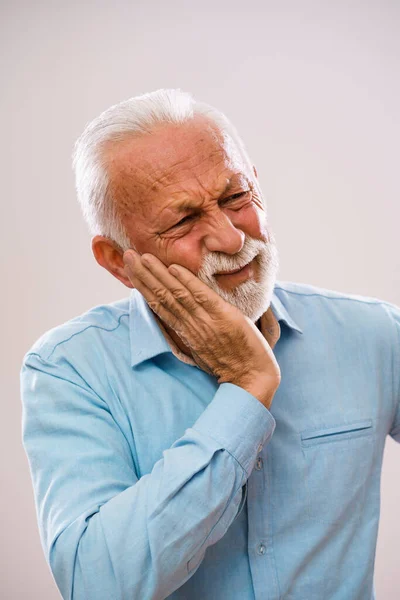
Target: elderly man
217	435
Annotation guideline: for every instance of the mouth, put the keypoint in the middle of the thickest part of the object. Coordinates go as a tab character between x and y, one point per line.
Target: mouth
237	275
231	272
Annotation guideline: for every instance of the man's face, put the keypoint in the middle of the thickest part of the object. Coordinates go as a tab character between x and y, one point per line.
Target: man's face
187	195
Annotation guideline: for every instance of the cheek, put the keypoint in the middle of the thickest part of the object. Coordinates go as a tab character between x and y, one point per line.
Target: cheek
252	221
185	251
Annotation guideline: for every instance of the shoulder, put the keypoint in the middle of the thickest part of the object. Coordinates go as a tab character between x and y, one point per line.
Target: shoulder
100	324
306	290
311	303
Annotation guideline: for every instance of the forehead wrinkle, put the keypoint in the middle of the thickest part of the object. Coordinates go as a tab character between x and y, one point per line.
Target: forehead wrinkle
196	186
128	176
186	169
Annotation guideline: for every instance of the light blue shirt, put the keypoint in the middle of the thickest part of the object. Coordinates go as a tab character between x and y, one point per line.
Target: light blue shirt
153	481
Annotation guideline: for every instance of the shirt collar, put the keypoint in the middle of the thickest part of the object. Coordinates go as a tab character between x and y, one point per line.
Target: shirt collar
282	314
147	340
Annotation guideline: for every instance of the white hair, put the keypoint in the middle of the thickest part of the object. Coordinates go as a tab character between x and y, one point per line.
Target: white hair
131	118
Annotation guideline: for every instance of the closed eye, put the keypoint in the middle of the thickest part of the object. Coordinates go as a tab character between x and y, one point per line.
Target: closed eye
184	220
236	196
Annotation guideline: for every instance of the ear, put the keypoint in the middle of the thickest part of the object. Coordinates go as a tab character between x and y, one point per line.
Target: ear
255	172
110	256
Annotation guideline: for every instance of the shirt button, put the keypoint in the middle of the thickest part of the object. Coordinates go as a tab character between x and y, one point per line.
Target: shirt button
260	447
259	463
261	549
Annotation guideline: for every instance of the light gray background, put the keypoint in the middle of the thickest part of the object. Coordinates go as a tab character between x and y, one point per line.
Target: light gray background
313	88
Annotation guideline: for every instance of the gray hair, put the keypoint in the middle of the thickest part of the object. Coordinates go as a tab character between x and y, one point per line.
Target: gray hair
131	118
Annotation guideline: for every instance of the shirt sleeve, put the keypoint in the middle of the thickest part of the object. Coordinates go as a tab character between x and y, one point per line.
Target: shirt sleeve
107	533
394	314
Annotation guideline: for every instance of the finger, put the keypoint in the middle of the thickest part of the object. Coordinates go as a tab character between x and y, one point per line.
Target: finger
173	320
161	301
178	290
201	292
168	290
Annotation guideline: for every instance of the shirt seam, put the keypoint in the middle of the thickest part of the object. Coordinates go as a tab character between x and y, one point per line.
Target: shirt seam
321	295
78	333
85	388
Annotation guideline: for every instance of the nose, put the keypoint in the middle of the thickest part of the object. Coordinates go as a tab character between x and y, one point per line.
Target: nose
223	236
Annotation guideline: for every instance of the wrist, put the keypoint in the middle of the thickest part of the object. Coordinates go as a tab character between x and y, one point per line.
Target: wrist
263	390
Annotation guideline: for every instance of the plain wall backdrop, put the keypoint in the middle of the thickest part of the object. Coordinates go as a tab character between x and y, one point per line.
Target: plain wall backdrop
313	88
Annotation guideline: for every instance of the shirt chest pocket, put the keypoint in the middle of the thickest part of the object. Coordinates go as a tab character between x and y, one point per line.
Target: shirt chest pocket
338	463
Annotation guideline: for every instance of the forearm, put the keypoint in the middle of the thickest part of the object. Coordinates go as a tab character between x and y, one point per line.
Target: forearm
145	542
148	540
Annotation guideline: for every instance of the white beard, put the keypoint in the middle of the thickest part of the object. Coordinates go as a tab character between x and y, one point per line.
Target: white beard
251	297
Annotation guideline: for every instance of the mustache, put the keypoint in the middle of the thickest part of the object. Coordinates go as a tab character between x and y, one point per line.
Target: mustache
217	261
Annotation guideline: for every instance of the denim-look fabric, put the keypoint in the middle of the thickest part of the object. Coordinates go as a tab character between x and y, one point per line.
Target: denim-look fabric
152	481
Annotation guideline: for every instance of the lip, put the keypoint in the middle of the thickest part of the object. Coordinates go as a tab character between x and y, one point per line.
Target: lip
237	275
235	270
231	272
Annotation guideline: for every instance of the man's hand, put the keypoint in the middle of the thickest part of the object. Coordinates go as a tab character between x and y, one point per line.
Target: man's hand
223	341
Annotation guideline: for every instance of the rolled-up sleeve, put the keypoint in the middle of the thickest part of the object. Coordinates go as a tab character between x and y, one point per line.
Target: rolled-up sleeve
107	533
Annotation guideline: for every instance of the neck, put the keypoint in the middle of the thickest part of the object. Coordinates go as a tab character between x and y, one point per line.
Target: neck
178	341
